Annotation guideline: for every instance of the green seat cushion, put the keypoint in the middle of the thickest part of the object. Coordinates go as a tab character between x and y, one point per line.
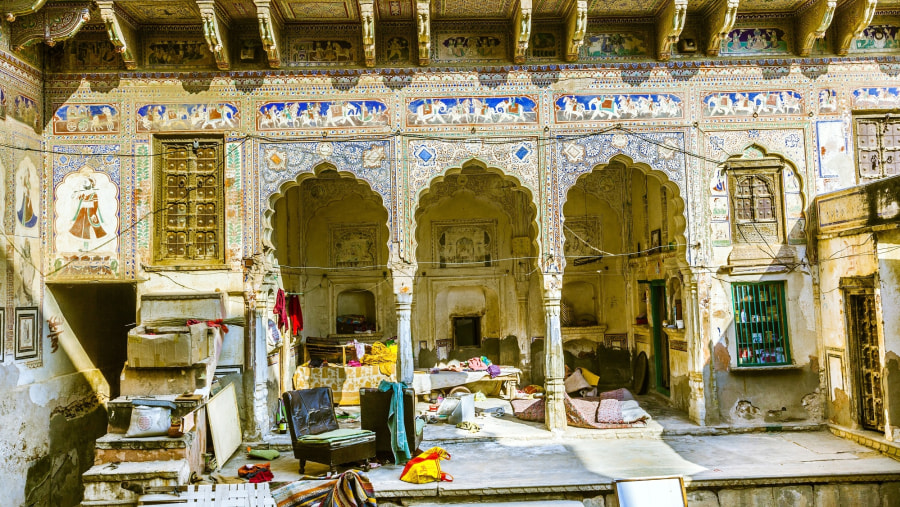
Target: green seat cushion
337	435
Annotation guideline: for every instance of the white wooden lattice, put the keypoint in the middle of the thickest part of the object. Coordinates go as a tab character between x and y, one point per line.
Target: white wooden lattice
218	495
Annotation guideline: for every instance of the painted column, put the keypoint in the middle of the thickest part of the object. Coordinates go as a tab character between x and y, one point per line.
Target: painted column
404	338
554	369
697	401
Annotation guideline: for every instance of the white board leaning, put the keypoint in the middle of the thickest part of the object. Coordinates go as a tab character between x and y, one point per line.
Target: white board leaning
651	492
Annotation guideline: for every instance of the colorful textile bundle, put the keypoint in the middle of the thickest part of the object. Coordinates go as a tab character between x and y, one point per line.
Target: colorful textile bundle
382	356
256	473
426	467
351	489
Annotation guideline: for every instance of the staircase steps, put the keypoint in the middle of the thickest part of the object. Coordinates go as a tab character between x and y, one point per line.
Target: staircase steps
103	484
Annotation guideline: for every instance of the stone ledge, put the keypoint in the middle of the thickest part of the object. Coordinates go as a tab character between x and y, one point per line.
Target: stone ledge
131	471
118	441
868	439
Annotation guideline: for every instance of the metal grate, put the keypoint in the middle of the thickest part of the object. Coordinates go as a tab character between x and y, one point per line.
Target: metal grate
760	324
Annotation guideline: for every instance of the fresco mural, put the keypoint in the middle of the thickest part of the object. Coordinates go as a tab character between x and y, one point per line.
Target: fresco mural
2	104
828	101
25	109
543	45
471	110
876	38
313	114
179	54
755	41
397	50
27	198
86	213
26	282
616	44
766	103
872	98
576	108
187	117
833	149
305	52
464	243
455	47
84	55
84	118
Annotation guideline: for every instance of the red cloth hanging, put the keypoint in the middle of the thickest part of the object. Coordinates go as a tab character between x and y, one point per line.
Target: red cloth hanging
295	313
280	310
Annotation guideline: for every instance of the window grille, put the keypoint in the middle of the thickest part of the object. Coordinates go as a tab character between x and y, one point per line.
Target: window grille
877	147
190	198
760	323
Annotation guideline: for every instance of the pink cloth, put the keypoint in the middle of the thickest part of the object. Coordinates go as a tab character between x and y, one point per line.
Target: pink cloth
280	310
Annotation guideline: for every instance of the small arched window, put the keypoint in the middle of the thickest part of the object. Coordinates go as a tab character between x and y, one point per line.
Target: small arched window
756	200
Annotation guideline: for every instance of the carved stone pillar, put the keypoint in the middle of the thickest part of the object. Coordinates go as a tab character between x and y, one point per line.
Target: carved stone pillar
404	338
696	343
554	369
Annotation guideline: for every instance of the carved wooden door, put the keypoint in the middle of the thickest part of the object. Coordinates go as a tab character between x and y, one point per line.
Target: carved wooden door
866	358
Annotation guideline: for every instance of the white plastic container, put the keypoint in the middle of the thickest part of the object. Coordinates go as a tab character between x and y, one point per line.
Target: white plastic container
464	409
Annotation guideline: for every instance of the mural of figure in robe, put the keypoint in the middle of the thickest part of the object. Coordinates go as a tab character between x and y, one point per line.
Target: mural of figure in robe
87	223
25	213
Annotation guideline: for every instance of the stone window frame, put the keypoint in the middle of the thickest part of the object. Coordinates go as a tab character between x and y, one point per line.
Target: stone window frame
160	257
770	171
864	146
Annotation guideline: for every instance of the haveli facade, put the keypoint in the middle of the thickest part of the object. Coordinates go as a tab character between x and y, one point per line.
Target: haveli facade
548	182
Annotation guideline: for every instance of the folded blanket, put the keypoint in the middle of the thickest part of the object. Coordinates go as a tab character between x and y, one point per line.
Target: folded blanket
338	435
620	412
580	412
621	394
350	489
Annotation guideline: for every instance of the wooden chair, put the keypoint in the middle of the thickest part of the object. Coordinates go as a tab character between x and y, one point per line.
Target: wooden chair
316	436
374	407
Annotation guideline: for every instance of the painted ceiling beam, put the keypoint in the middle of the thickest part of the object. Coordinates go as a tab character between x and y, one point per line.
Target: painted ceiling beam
812	23
216	33
423	25
367	17
852	18
122	34
270	28
50	24
669	24
521	30
13	8
576	27
720	22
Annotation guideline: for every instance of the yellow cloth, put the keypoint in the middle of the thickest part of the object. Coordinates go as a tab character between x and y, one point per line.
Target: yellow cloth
383	356
426	467
589	376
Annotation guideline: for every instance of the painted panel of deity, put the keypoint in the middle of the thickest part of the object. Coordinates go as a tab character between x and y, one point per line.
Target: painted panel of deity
828	101
582	237
84	55
876	39
178	53
2	104
86	118
354	246
876	98
767	103
86	218
396	50
305	52
465	244
578	108
25	109
755	41
316	114
457	47
26	282
187	117
614	45
27	197
544	45
832	137
471	110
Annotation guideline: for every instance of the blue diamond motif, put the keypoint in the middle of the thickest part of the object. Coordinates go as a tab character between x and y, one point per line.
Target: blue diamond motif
522	152
424	155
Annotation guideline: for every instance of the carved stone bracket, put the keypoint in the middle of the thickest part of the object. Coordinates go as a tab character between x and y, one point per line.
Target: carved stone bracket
122	34
812	24
852	18
423	24
51	24
720	21
270	27
521	30
216	33
576	26
13	8
367	16
669	24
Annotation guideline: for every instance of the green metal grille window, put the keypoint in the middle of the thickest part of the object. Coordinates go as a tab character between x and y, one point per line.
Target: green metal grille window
760	324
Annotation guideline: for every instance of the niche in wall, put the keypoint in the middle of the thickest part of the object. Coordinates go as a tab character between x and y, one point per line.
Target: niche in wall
356	311
579	309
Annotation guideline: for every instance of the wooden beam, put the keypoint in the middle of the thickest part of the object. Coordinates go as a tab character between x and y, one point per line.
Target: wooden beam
367	17
852	18
13	8
270	27
423	24
720	22
51	24
576	27
521	30
669	24
216	33
122	34
812	24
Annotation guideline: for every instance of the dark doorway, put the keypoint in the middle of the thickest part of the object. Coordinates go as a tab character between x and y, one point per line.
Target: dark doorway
865	355
660	339
467	331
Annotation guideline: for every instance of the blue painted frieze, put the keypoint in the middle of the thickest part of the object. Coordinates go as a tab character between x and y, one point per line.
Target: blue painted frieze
768	103
471	110
317	114
578	108
187	117
86	118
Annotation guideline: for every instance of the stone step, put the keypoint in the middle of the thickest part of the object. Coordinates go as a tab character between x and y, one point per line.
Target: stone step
537	503
103	483
153	381
116	447
119	410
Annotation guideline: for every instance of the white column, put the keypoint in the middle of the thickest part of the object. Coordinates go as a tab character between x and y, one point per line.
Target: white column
404	338
554	368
